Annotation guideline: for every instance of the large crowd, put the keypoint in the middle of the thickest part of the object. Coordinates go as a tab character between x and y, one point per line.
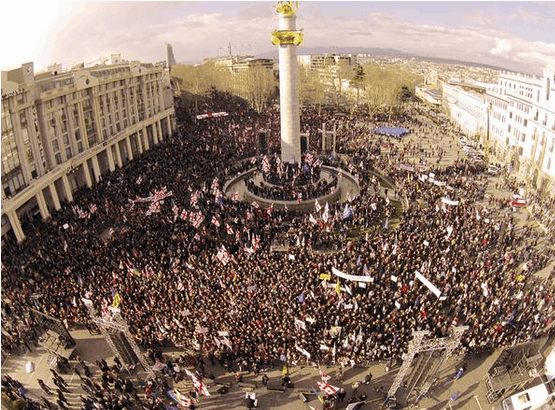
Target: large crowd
195	269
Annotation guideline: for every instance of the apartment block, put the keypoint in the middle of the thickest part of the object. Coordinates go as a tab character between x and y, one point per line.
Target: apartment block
61	130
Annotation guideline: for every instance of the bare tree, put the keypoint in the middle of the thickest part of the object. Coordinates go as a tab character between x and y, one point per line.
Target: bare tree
385	87
261	84
311	87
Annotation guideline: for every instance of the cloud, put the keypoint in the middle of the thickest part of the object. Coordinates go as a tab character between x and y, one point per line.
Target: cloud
480	18
527	15
502	47
537	54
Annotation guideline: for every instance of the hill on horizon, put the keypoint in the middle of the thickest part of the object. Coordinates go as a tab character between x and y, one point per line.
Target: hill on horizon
381	52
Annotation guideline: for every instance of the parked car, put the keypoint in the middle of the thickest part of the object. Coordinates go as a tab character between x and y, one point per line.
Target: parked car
531	399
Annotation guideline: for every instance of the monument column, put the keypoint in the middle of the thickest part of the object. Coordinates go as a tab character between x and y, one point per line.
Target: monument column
287	38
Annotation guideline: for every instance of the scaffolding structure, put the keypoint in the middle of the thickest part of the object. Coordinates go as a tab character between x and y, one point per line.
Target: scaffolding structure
506	378
432	355
55	325
115	330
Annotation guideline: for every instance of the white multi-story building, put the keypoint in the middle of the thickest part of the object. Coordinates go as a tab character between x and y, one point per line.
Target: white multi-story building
521	114
63	130
513	119
465	107
327	61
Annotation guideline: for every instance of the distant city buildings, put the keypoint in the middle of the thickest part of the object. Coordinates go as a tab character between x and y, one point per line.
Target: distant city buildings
61	130
242	62
327	61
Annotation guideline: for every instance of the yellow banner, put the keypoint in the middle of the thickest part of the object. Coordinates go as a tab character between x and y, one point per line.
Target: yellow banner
117	300
325	276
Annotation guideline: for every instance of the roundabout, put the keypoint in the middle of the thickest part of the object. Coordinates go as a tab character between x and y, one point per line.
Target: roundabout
299	188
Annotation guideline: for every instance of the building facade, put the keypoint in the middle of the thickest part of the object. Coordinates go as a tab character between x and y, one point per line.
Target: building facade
521	115
330	61
514	120
465	108
62	130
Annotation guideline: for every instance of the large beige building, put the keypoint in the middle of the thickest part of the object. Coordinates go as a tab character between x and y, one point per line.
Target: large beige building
63	130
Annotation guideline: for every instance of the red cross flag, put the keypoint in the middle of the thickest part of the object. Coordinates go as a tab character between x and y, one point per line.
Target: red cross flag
328	388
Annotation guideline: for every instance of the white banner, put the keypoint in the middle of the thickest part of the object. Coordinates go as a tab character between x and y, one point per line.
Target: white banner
428	284
356	278
300	323
449	201
303	351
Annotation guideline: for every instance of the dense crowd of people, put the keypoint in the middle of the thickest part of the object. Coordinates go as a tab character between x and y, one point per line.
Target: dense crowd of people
193	268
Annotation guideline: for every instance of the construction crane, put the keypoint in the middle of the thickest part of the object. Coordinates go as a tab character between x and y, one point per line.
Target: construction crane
228	47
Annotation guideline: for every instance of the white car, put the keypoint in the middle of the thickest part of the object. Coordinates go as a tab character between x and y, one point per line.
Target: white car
530	399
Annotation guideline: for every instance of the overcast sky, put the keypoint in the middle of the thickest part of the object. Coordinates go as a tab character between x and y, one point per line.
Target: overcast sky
515	35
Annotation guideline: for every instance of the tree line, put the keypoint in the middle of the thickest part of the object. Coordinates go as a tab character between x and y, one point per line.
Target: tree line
371	87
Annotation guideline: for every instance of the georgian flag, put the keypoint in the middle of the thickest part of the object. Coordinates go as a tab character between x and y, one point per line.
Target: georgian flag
201	387
215	187
161	194
180	398
317	205
223	255
154	207
194	198
184	214
199	217
255	241
326	214
265	164
280	168
312	219
324	376
228	229
92	208
255	204
351	168
328	388
215	221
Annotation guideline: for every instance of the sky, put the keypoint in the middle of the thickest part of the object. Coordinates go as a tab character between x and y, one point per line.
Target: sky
515	35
